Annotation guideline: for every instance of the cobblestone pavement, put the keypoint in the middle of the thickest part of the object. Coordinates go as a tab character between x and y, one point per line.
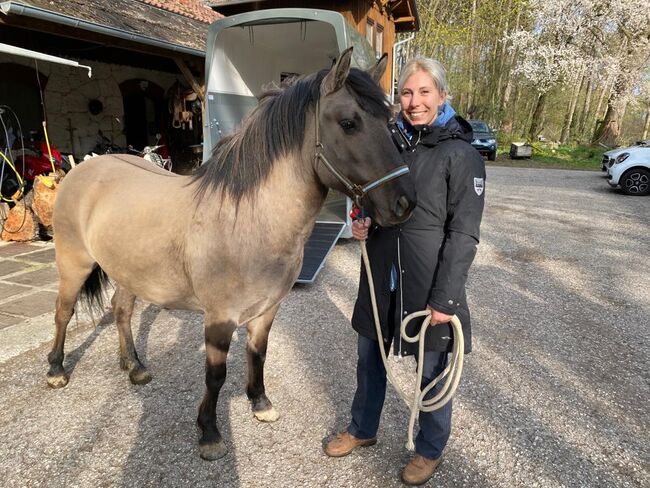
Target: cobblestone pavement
555	393
28	284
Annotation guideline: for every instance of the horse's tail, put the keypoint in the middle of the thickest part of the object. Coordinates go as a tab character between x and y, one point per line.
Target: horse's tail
92	291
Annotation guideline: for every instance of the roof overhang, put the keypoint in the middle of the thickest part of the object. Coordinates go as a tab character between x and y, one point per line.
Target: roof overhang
404	12
18	9
26	53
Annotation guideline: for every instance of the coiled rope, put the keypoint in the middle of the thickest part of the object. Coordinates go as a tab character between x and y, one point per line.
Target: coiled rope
416	403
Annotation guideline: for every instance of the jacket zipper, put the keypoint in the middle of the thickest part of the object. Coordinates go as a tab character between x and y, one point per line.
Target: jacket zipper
399	263
401	295
405	138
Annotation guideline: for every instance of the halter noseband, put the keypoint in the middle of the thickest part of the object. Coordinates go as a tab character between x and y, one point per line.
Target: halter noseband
358	191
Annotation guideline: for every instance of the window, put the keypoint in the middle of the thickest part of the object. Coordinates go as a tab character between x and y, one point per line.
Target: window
370	32
375	37
379	41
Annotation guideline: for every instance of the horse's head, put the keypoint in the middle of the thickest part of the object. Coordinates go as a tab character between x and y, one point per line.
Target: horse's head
355	152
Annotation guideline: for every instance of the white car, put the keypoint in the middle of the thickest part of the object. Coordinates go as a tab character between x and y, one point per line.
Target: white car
629	168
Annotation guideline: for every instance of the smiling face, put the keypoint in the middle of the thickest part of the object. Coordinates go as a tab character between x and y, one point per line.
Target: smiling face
420	99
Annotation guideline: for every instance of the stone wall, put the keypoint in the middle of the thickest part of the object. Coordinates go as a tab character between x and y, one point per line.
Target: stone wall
69	90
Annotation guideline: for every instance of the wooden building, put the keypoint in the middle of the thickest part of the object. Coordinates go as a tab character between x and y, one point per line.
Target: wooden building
139	52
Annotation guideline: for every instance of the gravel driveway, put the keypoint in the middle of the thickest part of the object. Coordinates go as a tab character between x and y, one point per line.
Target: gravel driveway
556	392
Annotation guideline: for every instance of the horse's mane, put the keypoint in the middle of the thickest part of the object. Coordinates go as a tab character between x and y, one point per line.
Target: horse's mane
241	161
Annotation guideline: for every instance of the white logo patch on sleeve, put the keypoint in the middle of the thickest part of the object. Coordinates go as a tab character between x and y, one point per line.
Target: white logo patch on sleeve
478	186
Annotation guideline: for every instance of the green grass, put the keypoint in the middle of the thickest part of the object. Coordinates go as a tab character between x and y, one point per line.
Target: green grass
554	156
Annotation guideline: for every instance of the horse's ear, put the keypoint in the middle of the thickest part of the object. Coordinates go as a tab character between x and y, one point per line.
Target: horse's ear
335	79
377	71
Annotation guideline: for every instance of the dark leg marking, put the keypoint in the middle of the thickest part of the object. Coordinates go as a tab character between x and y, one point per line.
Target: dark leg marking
258	335
123	302
56	376
217	343
72	277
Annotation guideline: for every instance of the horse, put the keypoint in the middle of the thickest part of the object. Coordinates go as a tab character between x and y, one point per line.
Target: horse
231	244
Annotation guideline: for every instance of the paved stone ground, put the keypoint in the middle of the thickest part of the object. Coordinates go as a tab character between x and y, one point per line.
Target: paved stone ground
28	283
555	394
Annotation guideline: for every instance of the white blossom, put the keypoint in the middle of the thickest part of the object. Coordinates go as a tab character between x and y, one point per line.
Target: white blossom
610	39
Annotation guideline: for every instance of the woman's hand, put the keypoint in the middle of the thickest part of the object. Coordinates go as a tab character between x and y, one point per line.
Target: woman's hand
438	317
360	228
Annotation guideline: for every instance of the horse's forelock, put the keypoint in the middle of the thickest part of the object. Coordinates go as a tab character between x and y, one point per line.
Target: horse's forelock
241	161
368	94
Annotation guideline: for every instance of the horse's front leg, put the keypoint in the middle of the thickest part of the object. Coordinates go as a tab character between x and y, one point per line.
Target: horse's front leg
258	336
218	334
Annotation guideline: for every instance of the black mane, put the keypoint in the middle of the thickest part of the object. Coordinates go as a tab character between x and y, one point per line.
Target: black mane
243	160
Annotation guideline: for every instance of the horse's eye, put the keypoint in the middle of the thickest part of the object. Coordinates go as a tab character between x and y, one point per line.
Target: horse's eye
347	125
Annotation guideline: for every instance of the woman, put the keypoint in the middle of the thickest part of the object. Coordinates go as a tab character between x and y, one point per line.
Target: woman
420	264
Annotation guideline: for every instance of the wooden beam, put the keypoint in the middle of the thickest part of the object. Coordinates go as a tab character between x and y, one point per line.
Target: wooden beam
394	4
190	79
402	20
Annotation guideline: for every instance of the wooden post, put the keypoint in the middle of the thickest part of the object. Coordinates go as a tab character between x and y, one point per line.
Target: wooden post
189	77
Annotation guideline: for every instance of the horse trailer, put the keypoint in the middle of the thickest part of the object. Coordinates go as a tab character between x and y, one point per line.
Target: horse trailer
250	51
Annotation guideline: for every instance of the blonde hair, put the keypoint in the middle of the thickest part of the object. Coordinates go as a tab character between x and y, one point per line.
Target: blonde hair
430	66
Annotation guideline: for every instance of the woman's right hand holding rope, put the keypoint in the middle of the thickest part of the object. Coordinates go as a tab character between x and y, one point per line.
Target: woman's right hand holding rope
360	228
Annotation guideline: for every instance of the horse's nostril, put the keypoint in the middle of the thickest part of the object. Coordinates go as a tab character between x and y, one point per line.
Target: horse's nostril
402	206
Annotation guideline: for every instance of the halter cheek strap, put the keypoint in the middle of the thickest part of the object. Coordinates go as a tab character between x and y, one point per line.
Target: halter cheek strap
358	192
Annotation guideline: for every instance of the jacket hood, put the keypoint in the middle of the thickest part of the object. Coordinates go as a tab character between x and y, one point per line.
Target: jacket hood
456	128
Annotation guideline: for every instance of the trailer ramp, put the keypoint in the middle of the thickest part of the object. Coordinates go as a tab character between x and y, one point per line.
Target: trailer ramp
319	245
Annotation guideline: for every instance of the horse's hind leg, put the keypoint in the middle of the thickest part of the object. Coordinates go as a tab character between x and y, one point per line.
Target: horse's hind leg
123	302
218	334
72	278
258	335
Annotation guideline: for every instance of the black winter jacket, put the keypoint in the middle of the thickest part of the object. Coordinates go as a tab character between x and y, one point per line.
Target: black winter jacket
434	249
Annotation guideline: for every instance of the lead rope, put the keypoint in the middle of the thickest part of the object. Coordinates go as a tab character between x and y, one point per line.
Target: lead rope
454	368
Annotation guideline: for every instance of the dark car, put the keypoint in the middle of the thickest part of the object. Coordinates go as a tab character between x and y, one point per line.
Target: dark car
485	141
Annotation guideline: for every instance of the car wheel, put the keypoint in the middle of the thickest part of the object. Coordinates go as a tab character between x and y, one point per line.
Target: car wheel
636	182
492	156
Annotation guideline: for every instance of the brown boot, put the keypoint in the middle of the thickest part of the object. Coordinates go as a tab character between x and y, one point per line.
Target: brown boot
344	443
419	470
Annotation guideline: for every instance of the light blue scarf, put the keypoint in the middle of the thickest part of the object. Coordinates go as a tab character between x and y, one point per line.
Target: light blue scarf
445	113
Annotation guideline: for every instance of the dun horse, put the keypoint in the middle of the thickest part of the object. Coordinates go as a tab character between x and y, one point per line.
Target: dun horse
228	240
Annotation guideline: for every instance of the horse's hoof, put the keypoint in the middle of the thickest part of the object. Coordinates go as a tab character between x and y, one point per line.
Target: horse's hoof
268	415
57	381
139	376
214	451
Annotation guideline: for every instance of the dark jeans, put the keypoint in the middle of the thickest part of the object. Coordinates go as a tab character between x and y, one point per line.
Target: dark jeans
435	426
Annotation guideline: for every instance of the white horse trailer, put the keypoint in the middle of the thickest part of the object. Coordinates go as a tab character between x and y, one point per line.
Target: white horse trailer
245	52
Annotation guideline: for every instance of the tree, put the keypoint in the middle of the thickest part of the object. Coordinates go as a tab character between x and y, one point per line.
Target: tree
642	99
517	63
625	33
552	52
